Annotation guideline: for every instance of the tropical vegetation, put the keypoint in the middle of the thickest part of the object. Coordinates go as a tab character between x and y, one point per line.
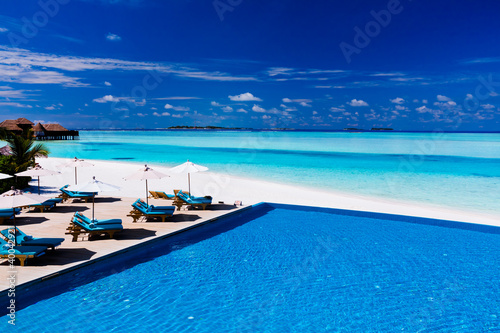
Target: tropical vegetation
24	150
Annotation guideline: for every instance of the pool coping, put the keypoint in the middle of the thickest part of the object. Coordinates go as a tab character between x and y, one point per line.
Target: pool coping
31	283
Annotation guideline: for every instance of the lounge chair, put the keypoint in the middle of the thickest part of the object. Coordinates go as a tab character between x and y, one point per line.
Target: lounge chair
67	194
82	225
24	240
23	253
166	196
183	199
8	213
154	195
142	209
47	204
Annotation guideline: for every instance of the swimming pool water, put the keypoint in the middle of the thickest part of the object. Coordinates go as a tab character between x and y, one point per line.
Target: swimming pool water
288	269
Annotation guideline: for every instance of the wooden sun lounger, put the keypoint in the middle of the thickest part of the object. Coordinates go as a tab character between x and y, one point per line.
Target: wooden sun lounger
141	210
182	199
79	226
23	253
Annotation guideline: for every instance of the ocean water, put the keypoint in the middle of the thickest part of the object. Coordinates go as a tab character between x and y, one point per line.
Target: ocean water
446	169
279	270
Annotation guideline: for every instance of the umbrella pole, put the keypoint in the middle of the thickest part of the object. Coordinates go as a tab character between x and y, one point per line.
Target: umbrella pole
147	201
189	184
75	176
93	201
38	185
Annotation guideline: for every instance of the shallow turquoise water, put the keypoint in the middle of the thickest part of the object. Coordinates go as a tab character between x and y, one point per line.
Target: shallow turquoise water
454	170
279	270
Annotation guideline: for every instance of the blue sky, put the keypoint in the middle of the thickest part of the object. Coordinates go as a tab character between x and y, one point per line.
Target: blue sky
409	65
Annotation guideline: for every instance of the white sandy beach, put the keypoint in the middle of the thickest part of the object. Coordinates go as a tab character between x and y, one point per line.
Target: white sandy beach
228	189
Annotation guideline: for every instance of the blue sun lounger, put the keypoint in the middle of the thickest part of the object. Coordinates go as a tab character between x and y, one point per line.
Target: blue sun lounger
47	204
142	209
183	198
24	240
67	194
23	253
82	225
8	213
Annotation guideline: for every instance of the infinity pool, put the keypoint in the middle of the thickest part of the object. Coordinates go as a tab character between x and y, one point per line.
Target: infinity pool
279	268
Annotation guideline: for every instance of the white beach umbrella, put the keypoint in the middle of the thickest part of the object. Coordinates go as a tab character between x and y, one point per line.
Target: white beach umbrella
37	171
189	168
17	198
94	186
5	176
145	174
76	162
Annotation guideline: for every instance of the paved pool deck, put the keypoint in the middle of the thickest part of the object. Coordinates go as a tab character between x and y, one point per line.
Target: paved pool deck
71	255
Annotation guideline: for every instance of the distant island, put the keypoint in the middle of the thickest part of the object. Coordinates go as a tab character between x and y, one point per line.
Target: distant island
353	129
208	127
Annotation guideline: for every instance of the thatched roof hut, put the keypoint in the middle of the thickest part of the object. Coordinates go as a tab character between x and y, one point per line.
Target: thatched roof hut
55	128
23	121
41	132
11	125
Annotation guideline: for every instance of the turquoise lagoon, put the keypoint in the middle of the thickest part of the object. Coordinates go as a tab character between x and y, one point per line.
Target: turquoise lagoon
446	169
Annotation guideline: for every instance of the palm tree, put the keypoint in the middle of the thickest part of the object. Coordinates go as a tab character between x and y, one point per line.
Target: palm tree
24	149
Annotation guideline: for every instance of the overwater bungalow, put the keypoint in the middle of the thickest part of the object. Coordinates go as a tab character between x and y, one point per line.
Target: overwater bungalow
40	132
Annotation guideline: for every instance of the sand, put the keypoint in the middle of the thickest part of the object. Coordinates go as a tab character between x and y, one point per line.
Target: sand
228	189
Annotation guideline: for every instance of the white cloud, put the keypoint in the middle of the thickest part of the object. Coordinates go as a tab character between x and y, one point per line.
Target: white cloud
227	109
8	92
356	102
19	105
425	101
443	98
424	109
113	37
315	112
335	109
301	101
246	97
2	30
242	111
469	97
397	100
141	114
165	114
156	114
172	98
106	99
487	106
107	83
176	108
24	66
114	99
213	103
305	104
257	108
400	108
266	117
